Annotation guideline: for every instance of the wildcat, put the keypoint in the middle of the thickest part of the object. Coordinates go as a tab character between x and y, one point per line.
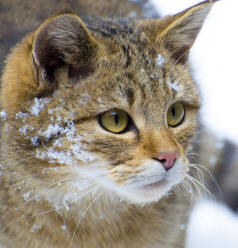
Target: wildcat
97	118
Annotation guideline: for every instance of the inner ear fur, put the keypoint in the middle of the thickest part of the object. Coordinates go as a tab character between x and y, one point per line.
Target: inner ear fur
178	33
63	40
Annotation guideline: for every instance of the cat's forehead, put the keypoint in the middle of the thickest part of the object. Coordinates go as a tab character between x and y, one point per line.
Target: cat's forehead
139	64
147	71
146	85
122	36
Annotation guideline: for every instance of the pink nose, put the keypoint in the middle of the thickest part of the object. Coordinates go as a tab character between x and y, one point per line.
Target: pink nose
167	159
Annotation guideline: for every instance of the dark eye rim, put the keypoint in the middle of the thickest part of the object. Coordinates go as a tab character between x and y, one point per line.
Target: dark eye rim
128	127
184	114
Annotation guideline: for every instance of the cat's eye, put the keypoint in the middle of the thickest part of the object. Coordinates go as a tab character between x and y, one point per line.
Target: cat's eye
114	121
175	114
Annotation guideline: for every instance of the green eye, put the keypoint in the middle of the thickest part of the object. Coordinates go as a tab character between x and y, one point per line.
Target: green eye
114	120
175	114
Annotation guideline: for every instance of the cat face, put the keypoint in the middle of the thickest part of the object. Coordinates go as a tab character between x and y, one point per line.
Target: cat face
111	104
83	131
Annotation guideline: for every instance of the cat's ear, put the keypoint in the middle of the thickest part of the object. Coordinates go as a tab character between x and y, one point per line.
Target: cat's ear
63	40
180	31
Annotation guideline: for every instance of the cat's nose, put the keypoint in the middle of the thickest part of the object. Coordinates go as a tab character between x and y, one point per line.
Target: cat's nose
167	159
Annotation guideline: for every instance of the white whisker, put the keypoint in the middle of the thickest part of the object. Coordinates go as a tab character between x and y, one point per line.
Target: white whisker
197	184
83	214
48	211
211	176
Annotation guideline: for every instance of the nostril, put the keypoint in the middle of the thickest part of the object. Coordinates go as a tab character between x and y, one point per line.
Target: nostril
162	161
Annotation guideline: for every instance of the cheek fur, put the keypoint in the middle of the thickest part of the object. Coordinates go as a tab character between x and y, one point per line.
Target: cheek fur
124	159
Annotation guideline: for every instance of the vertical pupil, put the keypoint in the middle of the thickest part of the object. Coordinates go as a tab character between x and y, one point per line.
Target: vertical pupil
116	118
173	111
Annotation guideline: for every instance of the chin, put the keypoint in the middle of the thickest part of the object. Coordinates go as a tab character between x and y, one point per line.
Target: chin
147	194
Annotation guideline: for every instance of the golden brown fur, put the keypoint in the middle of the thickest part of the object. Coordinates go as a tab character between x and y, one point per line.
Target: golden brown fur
65	181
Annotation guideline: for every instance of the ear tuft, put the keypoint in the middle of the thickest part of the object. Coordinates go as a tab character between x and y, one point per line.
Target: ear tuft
63	40
182	29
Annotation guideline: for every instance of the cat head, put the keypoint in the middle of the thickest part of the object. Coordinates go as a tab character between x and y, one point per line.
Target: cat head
107	102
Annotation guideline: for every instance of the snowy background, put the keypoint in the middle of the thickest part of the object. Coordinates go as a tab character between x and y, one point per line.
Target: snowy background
214	59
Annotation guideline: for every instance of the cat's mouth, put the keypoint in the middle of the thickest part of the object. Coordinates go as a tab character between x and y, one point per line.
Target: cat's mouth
152	183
